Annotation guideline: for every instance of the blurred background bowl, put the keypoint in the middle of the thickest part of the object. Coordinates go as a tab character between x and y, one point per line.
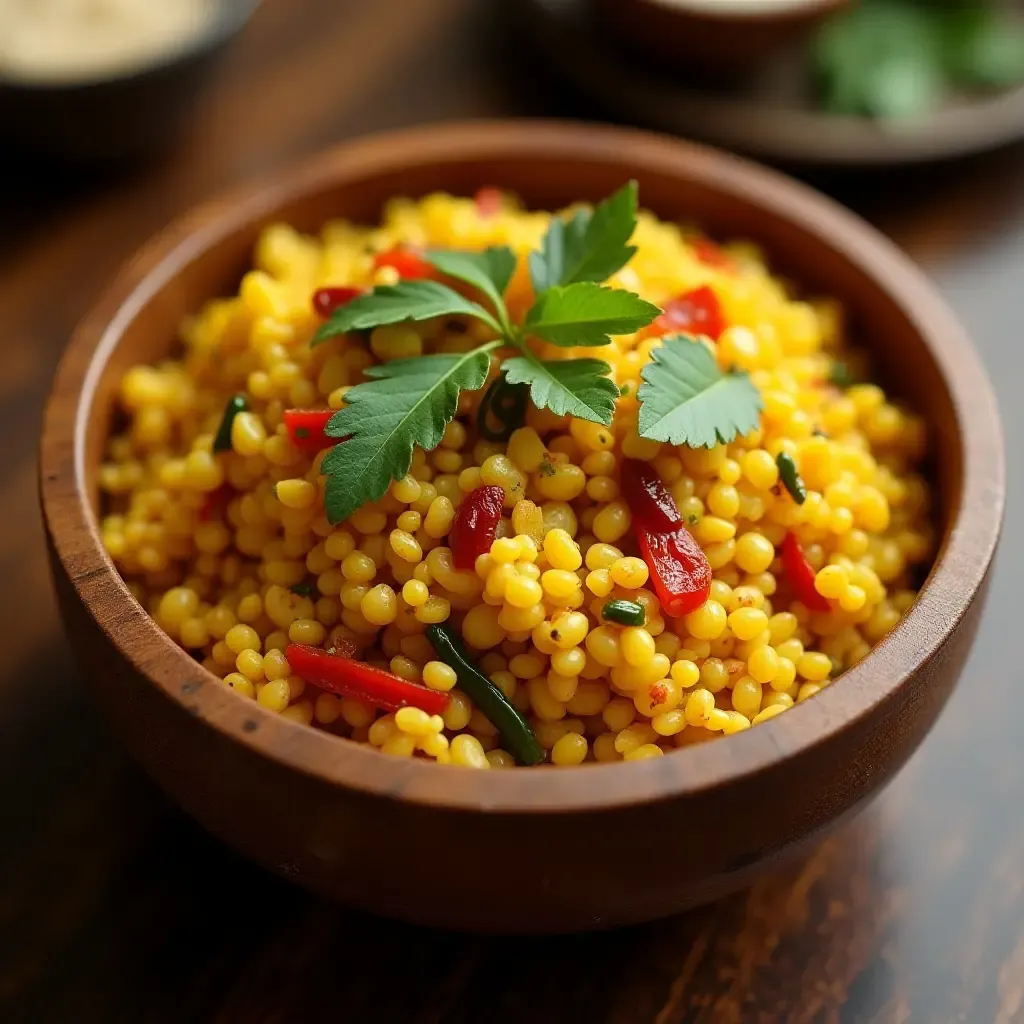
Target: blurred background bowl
713	38
770	110
127	115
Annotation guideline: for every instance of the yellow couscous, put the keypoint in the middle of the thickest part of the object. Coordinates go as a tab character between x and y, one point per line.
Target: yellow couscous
810	526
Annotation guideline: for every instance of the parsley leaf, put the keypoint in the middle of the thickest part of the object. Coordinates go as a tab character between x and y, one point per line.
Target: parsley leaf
490	270
586	314
406	403
686	399
547	267
574	387
392	304
589	246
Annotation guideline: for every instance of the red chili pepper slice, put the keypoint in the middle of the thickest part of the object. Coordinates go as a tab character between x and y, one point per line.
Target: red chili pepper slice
649	499
327	300
357	679
475	523
679	569
696	312
800	574
488	201
306	428
410	265
712	255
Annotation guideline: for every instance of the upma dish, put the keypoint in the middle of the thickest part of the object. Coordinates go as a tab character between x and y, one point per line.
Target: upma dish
495	487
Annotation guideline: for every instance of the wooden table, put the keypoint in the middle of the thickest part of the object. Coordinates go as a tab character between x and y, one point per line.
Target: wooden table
115	908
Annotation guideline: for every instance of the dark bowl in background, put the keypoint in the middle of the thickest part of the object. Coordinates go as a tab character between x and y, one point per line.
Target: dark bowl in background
126	116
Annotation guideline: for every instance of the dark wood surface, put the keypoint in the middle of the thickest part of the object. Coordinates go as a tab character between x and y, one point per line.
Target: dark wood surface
115	908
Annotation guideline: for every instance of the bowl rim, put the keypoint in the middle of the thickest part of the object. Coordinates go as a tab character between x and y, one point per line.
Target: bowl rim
743	10
952	585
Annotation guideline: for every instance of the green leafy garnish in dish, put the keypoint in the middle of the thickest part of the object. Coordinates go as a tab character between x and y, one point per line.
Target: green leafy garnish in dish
687	399
568	387
407	403
589	246
587	314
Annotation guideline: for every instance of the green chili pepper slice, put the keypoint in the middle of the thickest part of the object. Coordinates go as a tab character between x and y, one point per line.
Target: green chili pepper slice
222	440
840	375
507	404
791	479
625	613
515	731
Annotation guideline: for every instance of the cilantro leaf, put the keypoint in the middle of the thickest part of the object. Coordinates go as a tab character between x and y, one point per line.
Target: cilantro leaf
406	403
586	313
686	399
564	240
407	300
589	246
490	270
574	387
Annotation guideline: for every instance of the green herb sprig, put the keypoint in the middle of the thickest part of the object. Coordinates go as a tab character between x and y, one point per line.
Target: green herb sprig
222	439
408	402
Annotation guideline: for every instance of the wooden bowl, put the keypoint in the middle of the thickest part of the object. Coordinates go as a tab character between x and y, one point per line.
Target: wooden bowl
713	38
543	850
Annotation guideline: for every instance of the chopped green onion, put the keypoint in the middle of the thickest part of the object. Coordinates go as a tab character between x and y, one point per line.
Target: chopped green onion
507	404
518	737
840	375
222	439
791	479
625	613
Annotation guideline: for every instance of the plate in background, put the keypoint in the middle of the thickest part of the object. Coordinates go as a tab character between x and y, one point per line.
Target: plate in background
771	114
